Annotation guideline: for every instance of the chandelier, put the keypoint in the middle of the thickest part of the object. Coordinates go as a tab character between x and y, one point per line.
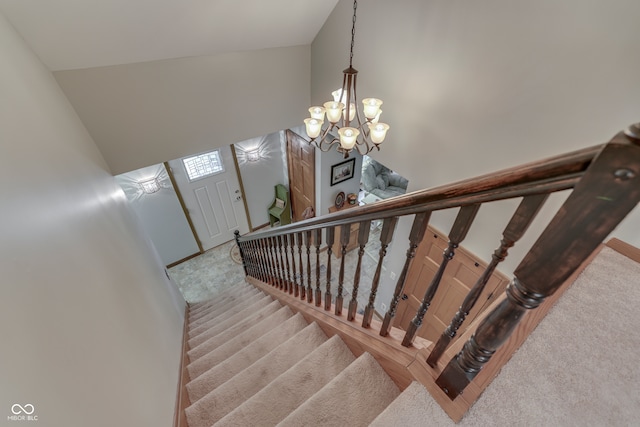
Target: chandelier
344	116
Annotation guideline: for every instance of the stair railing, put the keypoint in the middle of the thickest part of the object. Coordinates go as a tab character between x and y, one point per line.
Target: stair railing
605	183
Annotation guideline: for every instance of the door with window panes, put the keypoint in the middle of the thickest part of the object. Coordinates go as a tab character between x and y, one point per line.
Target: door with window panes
210	188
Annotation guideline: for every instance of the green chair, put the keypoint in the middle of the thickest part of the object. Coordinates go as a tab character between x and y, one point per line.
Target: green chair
280	210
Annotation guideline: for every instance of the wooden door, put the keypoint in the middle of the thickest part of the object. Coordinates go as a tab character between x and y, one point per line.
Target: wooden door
214	201
459	277
302	174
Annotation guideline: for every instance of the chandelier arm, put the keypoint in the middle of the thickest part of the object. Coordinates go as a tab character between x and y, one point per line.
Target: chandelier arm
359	147
319	139
325	144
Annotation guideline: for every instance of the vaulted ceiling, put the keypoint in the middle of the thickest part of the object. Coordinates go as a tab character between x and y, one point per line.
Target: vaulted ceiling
71	34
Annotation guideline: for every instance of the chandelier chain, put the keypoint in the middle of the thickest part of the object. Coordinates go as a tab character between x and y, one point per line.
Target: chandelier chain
353	32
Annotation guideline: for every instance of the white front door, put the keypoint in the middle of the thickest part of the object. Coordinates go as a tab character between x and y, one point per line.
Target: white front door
211	192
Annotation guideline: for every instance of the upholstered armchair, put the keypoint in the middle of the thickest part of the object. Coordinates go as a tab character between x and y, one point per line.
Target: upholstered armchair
379	180
280	210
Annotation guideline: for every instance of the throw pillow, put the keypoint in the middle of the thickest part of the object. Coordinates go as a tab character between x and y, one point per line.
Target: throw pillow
279	203
385	178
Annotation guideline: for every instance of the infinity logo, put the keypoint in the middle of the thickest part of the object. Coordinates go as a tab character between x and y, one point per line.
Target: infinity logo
18	409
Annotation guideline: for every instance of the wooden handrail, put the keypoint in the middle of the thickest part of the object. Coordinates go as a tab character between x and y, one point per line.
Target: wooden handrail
609	190
540	177
606	186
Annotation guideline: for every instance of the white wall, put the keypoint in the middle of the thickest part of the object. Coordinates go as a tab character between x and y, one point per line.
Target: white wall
147	113
160	214
473	87
325	192
91	327
260	177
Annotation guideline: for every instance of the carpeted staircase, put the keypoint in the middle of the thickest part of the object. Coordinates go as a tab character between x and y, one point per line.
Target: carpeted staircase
255	363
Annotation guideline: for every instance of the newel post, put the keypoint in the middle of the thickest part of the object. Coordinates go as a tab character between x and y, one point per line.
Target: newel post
236	234
607	192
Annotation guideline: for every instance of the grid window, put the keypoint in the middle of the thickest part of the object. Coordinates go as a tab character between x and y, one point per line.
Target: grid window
203	165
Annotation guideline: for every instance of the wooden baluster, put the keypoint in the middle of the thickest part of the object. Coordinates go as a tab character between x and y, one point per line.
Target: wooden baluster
262	245
420	223
245	253
607	192
276	264
386	235
330	232
283	277
252	257
283	280
258	256
318	240
262	263
302	288
459	231
285	245
244	257
363	239
265	259
519	223
308	246
248	248
272	263
244	265
345	230
294	285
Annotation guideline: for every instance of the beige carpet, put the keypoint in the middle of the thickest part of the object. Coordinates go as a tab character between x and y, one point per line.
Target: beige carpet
578	368
254	363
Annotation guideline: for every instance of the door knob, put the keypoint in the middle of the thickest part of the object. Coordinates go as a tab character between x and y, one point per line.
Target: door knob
405	297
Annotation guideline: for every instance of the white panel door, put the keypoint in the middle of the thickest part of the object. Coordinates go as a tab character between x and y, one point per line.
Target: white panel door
214	202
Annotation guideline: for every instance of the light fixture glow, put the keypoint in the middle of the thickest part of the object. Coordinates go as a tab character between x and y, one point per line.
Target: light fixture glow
150	186
253	156
343	113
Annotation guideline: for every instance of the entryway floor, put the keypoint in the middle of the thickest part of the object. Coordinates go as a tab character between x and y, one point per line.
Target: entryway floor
205	275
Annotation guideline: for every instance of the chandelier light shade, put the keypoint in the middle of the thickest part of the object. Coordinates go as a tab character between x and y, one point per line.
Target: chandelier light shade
342	115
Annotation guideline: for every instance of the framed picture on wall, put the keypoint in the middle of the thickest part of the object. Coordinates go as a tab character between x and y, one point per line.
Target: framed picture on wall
342	171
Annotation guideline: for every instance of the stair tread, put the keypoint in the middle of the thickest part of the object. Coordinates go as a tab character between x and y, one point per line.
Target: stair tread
228	309
409	409
220	304
289	390
355	397
231	394
225	331
215	326
231	307
245	354
233	290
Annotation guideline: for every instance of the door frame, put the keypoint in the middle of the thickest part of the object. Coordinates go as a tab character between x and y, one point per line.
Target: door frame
183	206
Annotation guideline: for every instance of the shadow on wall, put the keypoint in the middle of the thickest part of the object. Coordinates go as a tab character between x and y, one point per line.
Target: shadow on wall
378	181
